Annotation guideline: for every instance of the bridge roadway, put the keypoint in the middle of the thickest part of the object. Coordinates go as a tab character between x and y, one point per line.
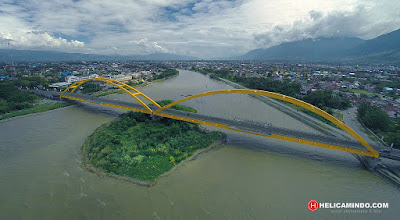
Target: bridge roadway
250	126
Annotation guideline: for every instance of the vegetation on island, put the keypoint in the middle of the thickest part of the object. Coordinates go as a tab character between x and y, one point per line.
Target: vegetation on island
177	107
379	122
138	147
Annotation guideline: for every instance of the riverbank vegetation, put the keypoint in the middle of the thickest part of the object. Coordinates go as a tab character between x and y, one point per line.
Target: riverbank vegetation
379	122
166	73
14	102
138	147
323	99
90	87
34	109
98	91
12	99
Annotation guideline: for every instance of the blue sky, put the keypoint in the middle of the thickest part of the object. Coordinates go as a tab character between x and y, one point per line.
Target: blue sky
201	28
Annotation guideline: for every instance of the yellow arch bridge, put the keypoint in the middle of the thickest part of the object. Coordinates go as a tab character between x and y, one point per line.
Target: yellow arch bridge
157	110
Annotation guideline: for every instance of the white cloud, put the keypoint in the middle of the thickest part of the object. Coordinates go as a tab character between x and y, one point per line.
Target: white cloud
38	40
203	28
365	20
149	47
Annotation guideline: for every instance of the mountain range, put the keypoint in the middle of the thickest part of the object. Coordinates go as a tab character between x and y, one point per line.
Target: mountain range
50	56
384	49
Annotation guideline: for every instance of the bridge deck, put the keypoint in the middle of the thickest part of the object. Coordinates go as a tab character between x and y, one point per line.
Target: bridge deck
250	126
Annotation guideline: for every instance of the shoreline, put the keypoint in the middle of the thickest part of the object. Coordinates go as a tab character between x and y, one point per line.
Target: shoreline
155	81
374	165
100	93
33	113
90	168
312	122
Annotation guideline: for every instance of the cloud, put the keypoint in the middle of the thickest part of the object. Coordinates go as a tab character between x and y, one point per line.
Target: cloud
202	28
365	21
38	40
147	47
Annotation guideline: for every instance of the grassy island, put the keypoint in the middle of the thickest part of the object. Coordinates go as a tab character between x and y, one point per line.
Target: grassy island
138	147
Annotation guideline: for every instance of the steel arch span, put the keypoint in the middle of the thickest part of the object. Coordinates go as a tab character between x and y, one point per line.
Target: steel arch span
158	112
124	87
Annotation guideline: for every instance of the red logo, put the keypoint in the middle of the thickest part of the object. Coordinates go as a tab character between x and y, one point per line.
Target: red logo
313	205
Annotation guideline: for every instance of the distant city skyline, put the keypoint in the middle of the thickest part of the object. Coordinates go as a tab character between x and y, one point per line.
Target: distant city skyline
200	28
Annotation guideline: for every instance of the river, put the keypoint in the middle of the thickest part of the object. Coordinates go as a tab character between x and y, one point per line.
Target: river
250	177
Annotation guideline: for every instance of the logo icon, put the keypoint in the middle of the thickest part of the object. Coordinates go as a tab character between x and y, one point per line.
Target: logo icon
313	205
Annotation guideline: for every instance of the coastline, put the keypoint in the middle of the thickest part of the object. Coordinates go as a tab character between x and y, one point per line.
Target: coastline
89	167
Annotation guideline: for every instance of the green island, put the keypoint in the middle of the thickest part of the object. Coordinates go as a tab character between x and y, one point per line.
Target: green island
142	149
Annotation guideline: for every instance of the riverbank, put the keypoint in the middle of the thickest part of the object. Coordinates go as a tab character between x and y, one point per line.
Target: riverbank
377	166
118	91
34	109
295	113
138	149
16	102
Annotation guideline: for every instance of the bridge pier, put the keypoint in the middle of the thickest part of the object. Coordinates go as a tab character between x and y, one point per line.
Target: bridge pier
156	118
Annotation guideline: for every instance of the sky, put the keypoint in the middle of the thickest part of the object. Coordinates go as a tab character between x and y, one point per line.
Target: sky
201	28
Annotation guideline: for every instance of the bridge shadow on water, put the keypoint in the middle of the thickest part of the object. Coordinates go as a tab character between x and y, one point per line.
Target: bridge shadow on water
282	148
260	144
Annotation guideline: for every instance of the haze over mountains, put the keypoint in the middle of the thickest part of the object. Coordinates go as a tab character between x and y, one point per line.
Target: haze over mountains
384	49
49	56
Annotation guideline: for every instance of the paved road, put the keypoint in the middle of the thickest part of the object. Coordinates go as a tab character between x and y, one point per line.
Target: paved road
250	126
350	118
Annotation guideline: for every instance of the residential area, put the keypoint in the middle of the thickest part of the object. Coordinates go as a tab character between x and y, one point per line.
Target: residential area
372	84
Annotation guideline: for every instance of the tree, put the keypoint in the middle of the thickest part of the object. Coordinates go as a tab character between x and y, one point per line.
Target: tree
374	118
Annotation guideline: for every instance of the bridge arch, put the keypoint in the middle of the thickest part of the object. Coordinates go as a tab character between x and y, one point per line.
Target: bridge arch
124	87
371	151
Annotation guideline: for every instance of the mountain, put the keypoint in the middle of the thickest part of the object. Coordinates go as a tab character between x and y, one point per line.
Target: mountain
305	50
384	49
50	56
160	56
